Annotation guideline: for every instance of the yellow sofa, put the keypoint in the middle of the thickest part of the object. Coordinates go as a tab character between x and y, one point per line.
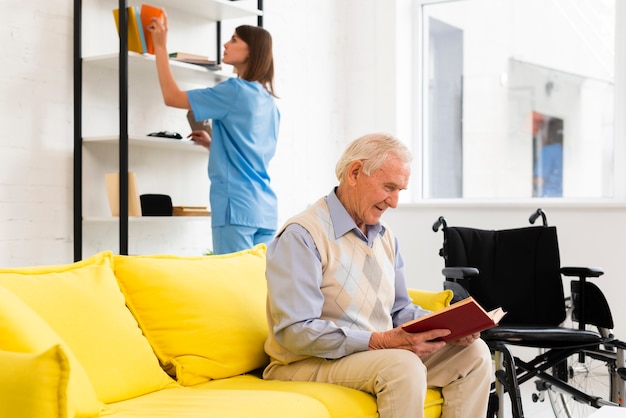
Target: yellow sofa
147	336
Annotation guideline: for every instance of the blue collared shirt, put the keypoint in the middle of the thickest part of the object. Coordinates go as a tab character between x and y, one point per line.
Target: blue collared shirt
294	277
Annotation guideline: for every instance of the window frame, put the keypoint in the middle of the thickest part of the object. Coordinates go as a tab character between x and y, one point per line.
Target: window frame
419	177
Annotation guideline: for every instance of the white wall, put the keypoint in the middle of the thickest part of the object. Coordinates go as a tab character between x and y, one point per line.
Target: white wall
339	75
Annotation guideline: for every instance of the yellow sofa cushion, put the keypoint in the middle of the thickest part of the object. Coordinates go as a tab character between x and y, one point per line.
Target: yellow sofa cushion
204	316
34	385
23	331
83	304
341	402
202	403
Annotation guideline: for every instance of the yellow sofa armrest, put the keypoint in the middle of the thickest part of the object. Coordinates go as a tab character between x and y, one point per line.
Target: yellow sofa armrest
431	300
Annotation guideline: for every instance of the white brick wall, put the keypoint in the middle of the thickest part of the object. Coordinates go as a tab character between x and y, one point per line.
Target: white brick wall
36	132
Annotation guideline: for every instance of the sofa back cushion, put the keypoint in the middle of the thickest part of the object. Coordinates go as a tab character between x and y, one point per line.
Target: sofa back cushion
204	316
83	304
23	331
430	299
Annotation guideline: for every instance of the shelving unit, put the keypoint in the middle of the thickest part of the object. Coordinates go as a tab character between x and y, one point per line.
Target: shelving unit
101	144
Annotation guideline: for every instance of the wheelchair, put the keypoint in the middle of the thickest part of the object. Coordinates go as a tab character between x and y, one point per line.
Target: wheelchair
575	360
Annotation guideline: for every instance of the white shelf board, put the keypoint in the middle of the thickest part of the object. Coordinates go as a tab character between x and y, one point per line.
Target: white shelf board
145	219
140	64
212	9
148	141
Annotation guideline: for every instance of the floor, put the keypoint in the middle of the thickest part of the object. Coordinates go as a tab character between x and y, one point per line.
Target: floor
544	409
596	382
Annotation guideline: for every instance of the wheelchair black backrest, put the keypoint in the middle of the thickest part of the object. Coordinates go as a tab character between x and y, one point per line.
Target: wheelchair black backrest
519	270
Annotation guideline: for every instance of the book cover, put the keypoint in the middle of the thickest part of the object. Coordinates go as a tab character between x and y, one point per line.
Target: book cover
142	35
134	39
147	13
199	125
462	318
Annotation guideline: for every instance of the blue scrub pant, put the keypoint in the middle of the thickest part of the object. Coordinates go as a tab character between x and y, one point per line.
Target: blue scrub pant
232	238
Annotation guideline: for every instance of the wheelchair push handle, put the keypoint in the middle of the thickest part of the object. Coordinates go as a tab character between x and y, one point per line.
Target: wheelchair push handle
441	221
536	214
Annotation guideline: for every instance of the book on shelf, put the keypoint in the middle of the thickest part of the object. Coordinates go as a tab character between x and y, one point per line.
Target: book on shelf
191	211
147	12
462	318
134	37
181	56
203	62
207	65
199	125
142	34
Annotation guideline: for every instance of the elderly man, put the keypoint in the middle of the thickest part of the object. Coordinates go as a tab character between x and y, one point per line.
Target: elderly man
337	295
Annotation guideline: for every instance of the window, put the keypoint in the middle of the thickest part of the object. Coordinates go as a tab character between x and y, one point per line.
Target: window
517	98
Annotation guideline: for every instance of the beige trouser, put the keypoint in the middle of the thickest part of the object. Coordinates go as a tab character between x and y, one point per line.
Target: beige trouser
398	378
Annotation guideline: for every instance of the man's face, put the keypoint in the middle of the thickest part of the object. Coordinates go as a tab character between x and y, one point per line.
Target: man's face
373	194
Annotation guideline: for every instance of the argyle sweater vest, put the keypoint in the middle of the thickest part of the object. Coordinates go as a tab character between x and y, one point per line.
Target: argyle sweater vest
357	281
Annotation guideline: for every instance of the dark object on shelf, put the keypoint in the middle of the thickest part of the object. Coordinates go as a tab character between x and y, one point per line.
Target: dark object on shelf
166	134
156	205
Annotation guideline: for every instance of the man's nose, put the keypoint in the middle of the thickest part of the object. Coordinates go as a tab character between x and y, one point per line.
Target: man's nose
392	200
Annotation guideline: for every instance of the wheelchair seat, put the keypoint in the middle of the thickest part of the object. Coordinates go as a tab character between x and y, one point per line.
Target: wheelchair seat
542	337
519	270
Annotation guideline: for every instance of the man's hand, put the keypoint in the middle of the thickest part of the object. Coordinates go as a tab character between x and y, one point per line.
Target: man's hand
467	340
421	343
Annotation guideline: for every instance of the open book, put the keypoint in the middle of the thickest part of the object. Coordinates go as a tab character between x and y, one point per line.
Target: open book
462	318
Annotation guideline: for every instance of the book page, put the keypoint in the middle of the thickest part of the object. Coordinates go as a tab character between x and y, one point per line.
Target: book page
496	315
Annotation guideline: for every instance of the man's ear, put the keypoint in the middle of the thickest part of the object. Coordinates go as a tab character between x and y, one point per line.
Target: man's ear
354	170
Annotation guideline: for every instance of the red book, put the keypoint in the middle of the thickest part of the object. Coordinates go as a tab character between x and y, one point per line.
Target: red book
462	318
147	13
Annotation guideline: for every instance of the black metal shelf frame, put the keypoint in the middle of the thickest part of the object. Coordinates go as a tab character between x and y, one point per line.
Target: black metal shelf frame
123	125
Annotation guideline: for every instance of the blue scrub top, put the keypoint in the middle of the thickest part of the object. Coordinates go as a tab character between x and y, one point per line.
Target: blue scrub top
245	132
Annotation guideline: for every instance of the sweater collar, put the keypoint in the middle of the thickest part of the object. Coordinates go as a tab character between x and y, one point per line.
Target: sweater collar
343	223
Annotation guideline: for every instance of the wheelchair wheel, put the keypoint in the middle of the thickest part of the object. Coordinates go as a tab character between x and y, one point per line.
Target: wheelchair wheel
591	376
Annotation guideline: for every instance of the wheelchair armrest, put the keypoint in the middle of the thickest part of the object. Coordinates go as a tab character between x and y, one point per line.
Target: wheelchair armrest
582	271
458	273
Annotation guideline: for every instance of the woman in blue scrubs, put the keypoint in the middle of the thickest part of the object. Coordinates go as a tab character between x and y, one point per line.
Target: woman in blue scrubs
245	130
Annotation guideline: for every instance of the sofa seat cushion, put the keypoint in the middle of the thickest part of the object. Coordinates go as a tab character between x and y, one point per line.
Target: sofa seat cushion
340	401
185	402
204	315
83	304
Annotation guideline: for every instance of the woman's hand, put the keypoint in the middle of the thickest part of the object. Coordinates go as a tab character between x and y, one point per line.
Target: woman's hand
421	343
158	29
201	137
